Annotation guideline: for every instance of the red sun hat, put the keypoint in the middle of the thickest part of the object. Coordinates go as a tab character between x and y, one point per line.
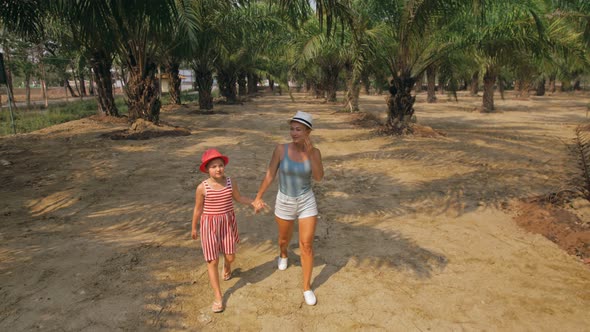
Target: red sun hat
209	155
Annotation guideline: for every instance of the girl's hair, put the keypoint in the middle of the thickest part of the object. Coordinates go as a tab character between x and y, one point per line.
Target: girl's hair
210	161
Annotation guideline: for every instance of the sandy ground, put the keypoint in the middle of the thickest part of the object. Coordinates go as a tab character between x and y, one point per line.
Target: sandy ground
415	234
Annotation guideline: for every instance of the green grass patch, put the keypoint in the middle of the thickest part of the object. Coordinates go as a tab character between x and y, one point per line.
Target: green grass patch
37	118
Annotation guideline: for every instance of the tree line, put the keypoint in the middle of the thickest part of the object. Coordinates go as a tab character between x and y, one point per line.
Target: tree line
325	45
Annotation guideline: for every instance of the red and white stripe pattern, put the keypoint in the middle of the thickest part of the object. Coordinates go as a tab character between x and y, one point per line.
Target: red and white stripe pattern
218	201
219	230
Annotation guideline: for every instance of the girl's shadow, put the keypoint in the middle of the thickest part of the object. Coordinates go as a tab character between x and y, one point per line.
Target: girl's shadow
251	276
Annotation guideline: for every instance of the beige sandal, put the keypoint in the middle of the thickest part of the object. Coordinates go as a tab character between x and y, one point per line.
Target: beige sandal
217	307
226	275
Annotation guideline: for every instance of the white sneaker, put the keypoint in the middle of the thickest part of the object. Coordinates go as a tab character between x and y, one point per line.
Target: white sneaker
283	263
309	297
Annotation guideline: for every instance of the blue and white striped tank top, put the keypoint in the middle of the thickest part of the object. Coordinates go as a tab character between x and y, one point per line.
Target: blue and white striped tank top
294	177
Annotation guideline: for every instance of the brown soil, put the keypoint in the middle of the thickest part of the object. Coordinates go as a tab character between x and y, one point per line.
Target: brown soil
142	130
415	233
557	224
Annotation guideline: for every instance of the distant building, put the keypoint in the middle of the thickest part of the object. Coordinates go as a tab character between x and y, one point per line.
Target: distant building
186	83
166	83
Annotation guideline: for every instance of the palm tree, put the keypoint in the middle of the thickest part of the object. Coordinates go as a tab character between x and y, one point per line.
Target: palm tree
329	55
412	35
263	46
178	48
501	32
256	28
26	18
205	48
359	58
89	27
328	12
140	29
570	41
138	32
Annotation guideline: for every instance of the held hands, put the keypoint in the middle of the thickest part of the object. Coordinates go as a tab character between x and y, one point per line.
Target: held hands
259	204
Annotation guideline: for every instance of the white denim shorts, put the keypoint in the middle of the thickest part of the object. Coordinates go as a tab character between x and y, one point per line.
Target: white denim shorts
291	208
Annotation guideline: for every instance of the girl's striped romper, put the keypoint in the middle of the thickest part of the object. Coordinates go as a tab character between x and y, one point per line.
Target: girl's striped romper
219	230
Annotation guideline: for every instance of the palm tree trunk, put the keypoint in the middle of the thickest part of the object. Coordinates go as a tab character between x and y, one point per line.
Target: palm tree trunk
91	84
173	70
81	66
501	84
400	105
465	84
419	83
44	84
474	88
317	91
577	85
552	87
9	79
101	64
331	82
76	83
195	85
252	84
352	91
69	88
430	80
453	87
242	87
489	79
142	93
227	86
82	84
204	81
540	87
366	84
28	89
522	87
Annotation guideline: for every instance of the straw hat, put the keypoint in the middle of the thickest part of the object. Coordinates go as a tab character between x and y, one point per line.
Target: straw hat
304	118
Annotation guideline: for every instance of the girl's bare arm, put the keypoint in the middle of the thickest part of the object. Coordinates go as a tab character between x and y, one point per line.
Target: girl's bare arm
199	200
237	196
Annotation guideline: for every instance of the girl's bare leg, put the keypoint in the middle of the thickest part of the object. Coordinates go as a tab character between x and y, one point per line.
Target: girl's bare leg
306	235
227	261
212	269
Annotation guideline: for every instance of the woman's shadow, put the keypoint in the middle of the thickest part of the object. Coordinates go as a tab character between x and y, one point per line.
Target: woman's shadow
395	252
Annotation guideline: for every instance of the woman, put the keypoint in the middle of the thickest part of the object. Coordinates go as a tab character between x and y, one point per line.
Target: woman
297	163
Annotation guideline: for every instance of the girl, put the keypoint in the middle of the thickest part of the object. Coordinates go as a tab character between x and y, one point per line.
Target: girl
297	163
219	230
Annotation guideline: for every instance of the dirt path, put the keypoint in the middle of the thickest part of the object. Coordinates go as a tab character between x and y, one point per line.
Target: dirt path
415	233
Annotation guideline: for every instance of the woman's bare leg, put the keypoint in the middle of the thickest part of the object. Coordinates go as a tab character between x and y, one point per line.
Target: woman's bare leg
285	234
306	235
